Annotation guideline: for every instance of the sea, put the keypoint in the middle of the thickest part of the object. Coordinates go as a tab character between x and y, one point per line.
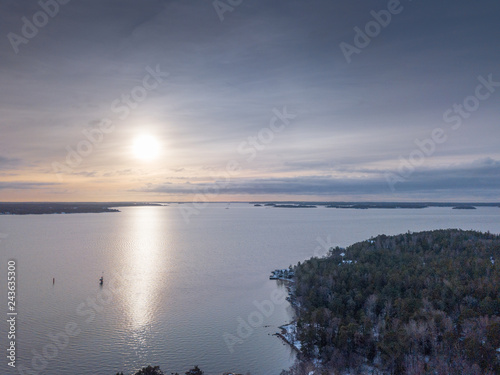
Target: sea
177	291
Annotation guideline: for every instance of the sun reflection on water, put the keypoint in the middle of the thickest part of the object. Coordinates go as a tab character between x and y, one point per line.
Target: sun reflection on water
145	260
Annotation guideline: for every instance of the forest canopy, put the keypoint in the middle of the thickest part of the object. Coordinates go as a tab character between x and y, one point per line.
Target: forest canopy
415	303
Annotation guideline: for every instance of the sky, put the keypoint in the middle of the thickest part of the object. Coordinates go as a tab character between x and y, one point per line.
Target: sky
240	100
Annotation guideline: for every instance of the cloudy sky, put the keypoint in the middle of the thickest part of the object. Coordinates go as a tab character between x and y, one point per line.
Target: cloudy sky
249	100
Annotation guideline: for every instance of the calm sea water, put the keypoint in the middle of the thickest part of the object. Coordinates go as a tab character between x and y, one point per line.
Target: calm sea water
175	292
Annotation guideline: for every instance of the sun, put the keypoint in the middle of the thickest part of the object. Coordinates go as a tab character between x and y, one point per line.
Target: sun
146	147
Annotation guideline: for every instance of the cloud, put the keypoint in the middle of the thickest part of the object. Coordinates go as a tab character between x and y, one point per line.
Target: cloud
9	163
483	175
21	185
353	121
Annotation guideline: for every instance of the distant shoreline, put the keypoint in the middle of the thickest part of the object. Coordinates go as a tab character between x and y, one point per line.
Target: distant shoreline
45	208
374	205
31	208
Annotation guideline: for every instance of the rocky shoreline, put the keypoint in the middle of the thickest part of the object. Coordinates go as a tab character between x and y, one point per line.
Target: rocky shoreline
288	333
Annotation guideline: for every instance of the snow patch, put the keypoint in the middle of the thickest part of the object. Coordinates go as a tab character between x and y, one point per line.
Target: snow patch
289	333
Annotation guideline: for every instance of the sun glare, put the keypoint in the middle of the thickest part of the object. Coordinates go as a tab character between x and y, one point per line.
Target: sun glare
146	147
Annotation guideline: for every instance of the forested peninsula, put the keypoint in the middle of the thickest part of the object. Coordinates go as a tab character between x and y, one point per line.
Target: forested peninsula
47	208
415	303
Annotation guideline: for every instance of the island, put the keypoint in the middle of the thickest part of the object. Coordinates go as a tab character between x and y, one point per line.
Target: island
294	206
414	303
376	205
365	206
45	208
150	370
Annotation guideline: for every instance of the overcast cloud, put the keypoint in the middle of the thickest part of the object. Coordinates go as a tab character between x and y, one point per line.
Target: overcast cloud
353	128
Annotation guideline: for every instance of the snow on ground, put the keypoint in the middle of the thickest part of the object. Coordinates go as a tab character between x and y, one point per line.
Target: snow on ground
289	332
